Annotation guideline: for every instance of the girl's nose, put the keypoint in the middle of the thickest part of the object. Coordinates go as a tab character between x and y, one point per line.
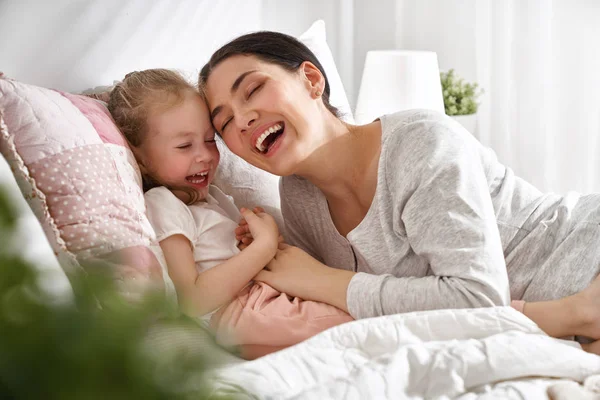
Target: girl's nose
203	155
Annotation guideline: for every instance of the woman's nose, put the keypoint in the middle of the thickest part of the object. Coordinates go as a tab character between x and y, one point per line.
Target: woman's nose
245	121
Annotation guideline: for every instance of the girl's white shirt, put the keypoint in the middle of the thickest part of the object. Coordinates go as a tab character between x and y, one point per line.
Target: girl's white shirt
208	225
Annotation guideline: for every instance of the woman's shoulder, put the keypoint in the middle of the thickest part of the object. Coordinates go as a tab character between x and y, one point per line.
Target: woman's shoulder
418	142
419	132
422	122
417	115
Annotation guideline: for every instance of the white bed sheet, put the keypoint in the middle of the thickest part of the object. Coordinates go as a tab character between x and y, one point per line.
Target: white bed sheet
493	353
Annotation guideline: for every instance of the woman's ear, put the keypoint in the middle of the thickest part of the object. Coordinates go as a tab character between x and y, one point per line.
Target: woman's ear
315	81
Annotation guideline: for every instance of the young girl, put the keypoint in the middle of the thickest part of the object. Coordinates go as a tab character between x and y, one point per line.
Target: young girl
166	122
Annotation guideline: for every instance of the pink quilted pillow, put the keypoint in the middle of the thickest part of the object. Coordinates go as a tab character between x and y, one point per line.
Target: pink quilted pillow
80	178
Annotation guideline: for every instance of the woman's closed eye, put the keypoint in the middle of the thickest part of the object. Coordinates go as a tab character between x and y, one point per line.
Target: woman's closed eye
253	89
227	121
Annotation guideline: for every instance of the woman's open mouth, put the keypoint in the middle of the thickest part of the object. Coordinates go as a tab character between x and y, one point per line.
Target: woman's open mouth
269	137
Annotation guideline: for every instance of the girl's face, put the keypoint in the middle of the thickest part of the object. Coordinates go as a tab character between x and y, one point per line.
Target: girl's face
180	148
267	115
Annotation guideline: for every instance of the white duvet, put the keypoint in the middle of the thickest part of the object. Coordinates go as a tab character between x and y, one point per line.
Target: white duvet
493	353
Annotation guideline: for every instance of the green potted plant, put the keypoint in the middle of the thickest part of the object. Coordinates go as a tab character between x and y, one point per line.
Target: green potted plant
460	99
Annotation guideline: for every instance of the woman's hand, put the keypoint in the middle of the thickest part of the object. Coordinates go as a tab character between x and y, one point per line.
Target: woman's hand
297	273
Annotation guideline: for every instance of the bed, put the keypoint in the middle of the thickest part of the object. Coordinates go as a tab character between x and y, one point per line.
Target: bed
494	353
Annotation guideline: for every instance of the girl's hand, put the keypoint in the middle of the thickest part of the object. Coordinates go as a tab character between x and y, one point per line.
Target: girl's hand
242	232
263	228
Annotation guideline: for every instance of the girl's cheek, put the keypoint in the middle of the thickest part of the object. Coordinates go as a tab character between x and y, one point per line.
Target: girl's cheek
217	157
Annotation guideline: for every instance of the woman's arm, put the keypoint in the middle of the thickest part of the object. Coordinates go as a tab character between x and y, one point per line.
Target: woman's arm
440	204
202	293
297	273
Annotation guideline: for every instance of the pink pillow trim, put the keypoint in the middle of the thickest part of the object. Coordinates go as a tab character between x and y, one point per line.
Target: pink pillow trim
99	117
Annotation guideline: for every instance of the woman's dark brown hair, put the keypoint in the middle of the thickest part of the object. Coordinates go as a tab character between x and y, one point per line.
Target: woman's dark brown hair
271	47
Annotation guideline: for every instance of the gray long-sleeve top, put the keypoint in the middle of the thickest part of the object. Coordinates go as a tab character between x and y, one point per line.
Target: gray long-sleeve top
432	236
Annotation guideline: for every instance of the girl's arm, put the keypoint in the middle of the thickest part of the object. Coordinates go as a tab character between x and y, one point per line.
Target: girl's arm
199	294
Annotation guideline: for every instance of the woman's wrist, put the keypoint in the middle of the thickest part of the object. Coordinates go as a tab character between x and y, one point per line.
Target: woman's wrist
331	287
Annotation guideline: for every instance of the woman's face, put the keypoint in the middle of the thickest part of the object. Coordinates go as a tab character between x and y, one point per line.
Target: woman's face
263	112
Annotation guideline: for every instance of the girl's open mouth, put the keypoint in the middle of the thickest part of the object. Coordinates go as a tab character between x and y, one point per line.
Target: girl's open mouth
200	179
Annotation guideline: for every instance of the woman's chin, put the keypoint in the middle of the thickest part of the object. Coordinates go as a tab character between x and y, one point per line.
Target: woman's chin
282	169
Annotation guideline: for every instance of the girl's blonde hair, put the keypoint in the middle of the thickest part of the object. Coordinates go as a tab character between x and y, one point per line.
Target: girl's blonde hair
131	102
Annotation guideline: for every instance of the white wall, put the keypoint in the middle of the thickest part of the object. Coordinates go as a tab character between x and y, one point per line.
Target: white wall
452	37
74	45
295	17
374	29
77	44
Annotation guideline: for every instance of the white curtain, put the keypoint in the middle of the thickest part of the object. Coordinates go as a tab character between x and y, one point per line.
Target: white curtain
538	60
539	63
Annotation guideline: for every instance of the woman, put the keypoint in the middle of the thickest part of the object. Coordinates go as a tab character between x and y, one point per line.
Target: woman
406	213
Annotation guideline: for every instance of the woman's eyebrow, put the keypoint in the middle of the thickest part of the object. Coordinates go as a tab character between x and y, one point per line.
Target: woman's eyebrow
239	80
234	88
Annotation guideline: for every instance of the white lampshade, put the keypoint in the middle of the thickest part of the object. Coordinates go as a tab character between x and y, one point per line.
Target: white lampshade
395	80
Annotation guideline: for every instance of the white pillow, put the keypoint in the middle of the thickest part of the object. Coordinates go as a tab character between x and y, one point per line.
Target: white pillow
250	186
315	39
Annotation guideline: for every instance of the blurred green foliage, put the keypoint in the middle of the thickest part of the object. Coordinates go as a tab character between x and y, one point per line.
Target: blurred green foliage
98	346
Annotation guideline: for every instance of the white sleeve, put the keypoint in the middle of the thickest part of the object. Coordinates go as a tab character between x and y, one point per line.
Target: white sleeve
168	215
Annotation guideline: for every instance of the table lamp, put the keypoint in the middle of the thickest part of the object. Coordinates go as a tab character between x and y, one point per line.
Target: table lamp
395	80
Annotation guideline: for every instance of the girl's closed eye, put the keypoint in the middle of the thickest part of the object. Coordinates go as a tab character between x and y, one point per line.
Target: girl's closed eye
184	146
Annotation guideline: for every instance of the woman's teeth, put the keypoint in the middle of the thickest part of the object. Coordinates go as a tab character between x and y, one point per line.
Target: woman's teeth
261	139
